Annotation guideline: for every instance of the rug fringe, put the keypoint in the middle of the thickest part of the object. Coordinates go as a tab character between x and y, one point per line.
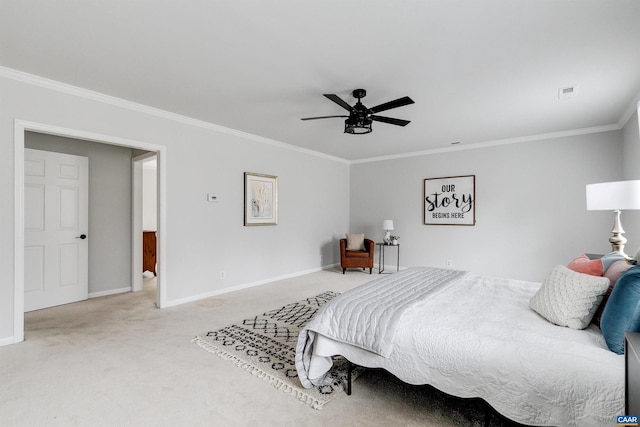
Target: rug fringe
265	376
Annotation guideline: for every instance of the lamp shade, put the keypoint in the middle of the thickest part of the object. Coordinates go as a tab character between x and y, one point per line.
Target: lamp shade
616	195
387	224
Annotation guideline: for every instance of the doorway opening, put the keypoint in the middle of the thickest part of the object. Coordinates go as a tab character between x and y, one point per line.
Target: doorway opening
145	220
20	128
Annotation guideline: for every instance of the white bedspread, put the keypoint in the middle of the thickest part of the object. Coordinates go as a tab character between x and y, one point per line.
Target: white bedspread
367	316
479	338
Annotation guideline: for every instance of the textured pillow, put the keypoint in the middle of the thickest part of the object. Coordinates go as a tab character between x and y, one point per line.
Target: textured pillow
582	264
355	242
622	312
568	298
613	273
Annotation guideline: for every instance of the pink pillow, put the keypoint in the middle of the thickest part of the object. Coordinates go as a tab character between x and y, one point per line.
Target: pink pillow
583	264
616	270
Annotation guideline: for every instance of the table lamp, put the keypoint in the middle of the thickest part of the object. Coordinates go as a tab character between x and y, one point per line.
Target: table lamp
614	196
387	226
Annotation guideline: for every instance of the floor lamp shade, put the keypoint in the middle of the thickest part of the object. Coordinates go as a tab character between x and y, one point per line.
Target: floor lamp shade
614	196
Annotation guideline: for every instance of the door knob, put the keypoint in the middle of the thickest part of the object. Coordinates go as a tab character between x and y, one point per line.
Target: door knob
82	236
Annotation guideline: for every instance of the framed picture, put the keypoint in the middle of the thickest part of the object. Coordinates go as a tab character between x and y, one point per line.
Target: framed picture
260	199
450	200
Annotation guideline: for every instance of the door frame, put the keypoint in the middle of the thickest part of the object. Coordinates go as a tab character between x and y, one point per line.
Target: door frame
22	126
137	164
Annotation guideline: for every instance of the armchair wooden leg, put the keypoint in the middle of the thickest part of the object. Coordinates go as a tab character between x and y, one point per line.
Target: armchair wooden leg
343	270
370	269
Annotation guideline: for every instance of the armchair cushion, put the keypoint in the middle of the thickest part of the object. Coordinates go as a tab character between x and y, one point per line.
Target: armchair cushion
355	242
356	254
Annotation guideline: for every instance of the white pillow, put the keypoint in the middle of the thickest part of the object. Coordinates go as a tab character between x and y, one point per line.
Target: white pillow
568	298
355	242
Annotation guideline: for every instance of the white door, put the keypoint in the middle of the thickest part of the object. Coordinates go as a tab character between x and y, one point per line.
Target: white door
56	212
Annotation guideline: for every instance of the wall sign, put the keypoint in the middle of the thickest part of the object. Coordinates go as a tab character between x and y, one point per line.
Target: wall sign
450	200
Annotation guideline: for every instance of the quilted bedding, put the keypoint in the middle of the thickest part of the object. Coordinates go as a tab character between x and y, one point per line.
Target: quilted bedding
477	337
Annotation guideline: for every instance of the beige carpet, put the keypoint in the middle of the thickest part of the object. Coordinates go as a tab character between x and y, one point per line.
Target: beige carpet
119	361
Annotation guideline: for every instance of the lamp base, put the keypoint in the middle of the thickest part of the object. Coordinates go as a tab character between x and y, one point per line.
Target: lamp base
617	239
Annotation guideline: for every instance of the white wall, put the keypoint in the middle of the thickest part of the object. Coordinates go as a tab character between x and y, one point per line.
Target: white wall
631	170
109	207
149	198
530	204
631	141
202	238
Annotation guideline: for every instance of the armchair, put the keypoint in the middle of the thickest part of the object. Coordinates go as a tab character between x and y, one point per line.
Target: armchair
357	259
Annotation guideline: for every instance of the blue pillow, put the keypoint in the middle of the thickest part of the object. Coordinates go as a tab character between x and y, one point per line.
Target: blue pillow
622	311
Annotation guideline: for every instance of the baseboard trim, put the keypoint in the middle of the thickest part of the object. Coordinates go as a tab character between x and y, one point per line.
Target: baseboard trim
109	292
9	341
245	286
389	268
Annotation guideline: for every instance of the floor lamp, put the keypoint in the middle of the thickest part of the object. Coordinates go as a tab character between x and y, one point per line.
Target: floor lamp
614	196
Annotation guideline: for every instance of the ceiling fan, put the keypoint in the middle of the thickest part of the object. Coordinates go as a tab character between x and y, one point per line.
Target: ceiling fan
360	117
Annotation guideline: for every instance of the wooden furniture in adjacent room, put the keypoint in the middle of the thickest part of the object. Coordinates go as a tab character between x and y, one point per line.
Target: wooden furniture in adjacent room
149	251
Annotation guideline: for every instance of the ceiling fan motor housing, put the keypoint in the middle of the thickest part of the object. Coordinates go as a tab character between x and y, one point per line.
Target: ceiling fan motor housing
359	93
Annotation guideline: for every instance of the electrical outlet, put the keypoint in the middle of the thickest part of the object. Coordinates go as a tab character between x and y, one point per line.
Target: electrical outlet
222	274
449	263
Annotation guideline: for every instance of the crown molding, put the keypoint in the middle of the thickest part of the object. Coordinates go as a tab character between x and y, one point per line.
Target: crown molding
628	113
507	141
32	79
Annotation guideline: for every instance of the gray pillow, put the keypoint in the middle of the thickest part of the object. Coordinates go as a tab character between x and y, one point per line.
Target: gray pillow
355	242
568	298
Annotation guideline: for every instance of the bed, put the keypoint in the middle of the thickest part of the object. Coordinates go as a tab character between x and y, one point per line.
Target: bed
469	336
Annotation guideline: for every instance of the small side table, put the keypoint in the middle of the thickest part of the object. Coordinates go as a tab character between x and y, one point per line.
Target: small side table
381	249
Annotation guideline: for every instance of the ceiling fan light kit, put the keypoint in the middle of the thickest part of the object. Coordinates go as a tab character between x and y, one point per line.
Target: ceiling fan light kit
358	126
361	118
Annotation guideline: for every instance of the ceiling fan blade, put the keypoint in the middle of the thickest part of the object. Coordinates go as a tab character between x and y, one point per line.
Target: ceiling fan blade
339	101
323	117
391	104
390	120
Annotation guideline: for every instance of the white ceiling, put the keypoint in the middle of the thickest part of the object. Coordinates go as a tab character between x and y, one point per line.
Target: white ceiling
478	70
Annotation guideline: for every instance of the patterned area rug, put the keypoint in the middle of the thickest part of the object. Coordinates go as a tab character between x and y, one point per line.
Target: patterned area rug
265	345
